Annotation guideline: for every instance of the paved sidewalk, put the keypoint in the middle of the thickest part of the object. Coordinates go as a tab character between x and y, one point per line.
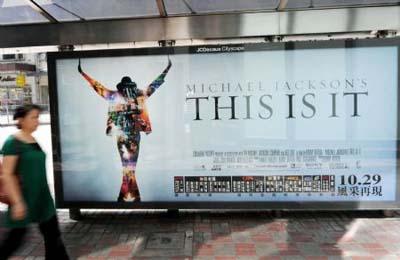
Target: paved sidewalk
224	235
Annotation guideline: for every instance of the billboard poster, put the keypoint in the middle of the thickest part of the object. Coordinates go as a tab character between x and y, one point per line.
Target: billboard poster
227	123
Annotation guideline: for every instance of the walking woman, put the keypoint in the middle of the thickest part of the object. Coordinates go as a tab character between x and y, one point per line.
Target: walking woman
24	178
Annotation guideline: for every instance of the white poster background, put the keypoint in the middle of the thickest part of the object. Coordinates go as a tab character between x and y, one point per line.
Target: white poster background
91	163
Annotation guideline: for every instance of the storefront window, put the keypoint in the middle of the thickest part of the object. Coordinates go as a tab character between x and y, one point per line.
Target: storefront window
23	79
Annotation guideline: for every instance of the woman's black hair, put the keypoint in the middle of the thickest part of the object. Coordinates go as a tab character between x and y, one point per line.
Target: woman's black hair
22	111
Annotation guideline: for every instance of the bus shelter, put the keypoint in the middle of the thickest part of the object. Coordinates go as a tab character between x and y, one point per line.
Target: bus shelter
218	104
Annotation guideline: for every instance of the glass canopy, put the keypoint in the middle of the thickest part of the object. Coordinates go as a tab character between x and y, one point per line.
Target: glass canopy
46	11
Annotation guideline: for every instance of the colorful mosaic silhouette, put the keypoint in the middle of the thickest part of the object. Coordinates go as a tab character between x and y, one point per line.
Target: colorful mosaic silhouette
127	117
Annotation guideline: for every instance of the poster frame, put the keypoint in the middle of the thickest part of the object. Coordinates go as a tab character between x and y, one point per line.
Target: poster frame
52	58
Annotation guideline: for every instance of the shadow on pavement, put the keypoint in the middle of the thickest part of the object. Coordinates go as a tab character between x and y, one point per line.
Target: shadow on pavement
216	234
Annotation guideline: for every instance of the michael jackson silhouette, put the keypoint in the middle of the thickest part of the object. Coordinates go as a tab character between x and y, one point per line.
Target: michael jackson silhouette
127	117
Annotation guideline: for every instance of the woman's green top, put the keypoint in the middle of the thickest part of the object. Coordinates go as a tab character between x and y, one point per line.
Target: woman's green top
31	168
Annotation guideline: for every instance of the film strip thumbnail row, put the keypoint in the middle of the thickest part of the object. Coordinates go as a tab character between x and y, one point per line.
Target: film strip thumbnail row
254	184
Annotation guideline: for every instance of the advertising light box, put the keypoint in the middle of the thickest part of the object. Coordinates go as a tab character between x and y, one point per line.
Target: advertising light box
283	125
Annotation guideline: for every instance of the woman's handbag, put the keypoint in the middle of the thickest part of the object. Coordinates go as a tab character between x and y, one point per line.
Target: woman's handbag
3	194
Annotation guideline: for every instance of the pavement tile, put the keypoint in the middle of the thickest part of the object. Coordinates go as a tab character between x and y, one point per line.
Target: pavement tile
241	237
238	228
371	245
335	257
224	249
269	258
376	252
293	257
309	249
289	252
262	238
362	258
387	257
220	228
218	257
222	239
227	235
201	258
286	246
266	249
204	250
333	252
245	249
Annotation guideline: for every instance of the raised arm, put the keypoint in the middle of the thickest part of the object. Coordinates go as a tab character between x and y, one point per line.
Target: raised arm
158	81
97	86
